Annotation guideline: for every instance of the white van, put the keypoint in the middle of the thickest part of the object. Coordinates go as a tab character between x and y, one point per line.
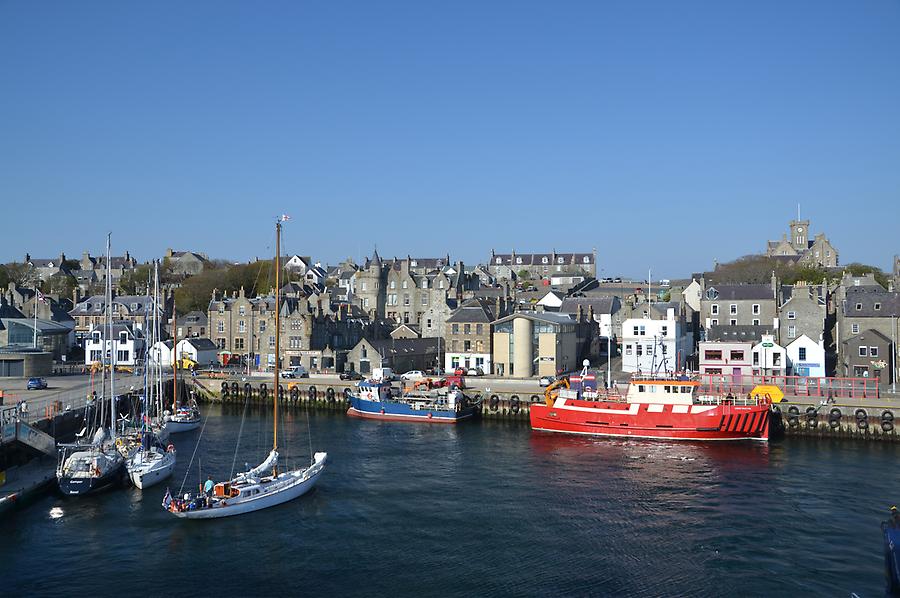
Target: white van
379	374
295	371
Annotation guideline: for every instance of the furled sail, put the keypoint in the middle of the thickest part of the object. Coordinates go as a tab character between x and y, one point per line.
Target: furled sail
263	467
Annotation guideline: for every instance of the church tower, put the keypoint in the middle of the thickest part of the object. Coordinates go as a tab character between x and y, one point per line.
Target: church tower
800	235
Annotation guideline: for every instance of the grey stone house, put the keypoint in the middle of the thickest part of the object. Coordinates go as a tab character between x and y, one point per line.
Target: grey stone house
186	263
542	265
738	305
866	308
796	244
802	311
868	355
401	355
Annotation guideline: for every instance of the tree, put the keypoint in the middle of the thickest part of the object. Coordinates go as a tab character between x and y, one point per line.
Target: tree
21	274
133	282
4	277
523	274
858	269
61	285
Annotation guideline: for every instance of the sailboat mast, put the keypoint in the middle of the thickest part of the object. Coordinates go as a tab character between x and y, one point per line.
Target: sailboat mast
174	361
112	346
277	327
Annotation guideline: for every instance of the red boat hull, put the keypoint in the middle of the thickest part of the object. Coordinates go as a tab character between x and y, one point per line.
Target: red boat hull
649	420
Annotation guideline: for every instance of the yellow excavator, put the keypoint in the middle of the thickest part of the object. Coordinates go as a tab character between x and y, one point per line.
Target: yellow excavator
552	391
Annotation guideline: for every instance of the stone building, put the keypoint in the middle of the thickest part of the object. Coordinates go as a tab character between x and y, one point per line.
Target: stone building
468	336
867	310
739	305
530	344
798	245
401	355
315	332
868	355
186	263
802	312
91	312
542	265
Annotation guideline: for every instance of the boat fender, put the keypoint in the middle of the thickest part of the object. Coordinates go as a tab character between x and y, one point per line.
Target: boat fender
861	414
248	390
812	417
429	415
382	412
295	394
887	421
263	391
346	394
535	399
793	412
281	394
235	389
494	402
514	404
329	392
834	414
224	390
170	448
458	408
312	393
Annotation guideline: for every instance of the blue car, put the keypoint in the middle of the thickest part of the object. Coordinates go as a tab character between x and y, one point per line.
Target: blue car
36	384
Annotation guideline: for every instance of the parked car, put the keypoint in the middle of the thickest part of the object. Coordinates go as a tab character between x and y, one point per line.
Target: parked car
475	372
547	380
386	374
351	376
459	372
296	371
435	372
36	384
413	375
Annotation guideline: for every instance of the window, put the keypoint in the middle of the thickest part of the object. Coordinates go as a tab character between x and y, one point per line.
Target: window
714	309
393	284
272	342
712	355
737	355
363	285
428	323
544	260
455	329
122	355
732	322
640	349
776	359
877	306
467	329
238	343
221	308
635	331
123	337
424	283
242	311
586	260
801	354
628	349
863	351
242	326
498	261
858	306
405	298
220	342
467	346
755	309
424	298
854	328
732	309
518	260
479	328
873	351
792	331
262	325
756	322
756	358
714	322
792	315
441	284
559	260
365	303
712	294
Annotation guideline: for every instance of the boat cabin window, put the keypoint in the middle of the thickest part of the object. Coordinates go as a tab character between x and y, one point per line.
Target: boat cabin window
686	390
641	388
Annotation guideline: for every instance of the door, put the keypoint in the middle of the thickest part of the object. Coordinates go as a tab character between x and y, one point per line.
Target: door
736	376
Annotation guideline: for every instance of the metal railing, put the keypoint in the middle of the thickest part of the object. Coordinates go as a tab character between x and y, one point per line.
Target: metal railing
798	386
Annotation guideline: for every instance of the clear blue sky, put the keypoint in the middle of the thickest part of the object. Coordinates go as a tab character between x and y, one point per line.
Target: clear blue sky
666	134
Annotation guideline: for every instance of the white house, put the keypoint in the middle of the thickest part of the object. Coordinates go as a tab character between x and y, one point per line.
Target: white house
298	264
160	353
769	358
806	357
201	350
315	275
652	346
127	342
552	301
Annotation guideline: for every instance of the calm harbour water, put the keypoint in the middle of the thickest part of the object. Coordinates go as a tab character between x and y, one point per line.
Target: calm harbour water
481	509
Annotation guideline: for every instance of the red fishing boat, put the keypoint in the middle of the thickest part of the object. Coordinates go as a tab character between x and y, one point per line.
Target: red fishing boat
670	407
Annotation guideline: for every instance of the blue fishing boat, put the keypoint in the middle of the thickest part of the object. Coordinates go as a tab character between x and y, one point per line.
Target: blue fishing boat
891	531
378	400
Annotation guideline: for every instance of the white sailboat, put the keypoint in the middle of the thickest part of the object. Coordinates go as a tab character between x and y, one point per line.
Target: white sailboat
90	465
264	485
186	417
149	461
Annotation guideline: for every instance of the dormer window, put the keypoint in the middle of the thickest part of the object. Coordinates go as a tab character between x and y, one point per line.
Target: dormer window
413	264
242	310
123	337
424	283
404	284
858	306
877	306
544	260
498	261
712	293
134	307
559	260
518	260
393	284
586	260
